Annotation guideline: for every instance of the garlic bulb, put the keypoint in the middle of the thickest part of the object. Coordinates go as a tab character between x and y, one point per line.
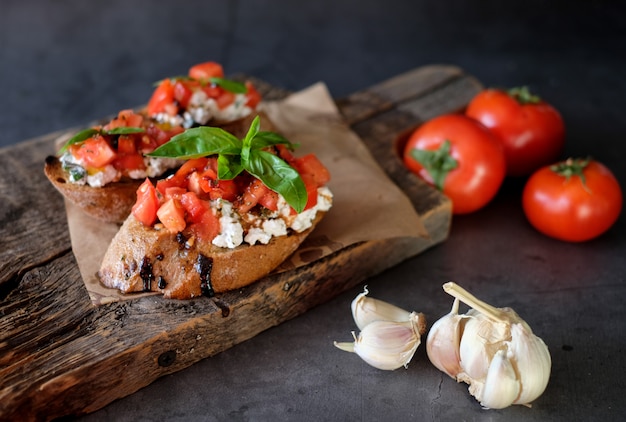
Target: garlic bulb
491	349
366	310
388	345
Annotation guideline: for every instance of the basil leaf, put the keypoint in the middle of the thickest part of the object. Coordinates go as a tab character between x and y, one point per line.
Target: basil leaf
124	130
279	176
199	142
81	136
247	141
228	166
229	85
266	139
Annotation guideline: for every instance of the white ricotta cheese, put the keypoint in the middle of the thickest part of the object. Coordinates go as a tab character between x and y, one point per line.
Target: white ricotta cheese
201	109
231	231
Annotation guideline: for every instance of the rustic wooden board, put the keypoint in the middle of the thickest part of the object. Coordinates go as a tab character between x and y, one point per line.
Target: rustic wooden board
60	355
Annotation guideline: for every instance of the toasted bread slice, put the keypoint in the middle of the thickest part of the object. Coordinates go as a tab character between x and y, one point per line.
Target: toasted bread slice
142	259
111	203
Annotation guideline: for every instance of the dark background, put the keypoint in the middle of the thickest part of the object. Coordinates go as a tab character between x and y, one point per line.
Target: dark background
65	63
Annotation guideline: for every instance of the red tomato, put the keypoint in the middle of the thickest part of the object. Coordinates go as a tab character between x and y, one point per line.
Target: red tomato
147	204
253	97
162	98
251	195
207	228
194	206
531	130
125	118
311	190
204	71
163	185
126	144
225	99
94	152
574	200
469	168
172	215
183	92
129	162
310	164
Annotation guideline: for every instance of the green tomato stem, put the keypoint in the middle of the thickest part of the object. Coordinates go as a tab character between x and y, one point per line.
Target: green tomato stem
437	163
523	95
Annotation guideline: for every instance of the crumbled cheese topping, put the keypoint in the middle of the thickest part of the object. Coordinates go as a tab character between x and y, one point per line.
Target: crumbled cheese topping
155	166
231	233
201	109
262	230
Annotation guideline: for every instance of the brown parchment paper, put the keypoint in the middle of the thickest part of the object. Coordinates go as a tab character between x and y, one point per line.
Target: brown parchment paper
367	205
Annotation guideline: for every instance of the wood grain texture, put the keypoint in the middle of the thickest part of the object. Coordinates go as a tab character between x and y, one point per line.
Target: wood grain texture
60	355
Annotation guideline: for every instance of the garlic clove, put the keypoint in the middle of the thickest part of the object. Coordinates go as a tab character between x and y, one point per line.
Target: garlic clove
366	310
533	361
442	343
481	339
388	345
501	386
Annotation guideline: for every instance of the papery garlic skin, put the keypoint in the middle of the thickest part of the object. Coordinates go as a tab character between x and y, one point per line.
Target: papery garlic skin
366	310
388	345
500	358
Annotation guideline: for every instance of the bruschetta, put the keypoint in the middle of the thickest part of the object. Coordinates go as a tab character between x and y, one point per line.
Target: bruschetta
230	215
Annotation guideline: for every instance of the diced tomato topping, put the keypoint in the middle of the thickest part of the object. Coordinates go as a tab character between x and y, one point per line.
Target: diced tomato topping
145	209
94	152
252	96
125	118
130	118
206	70
126	144
189	166
129	162
175	192
195	183
311	190
172	215
172	181
158	136
162	96
194	206
310	164
225	189
207	228
251	195
224	100
269	200
285	154
183	92
212	91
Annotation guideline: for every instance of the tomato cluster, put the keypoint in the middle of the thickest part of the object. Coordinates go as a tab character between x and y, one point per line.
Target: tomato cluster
183	200
515	133
172	94
111	145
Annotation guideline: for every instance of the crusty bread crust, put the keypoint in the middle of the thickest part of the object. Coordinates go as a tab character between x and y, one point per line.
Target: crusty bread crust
113	202
142	259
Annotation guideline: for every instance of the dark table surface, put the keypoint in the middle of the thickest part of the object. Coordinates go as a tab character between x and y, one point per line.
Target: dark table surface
65	63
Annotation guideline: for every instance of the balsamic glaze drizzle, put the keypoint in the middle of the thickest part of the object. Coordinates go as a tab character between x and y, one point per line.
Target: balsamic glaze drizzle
146	274
204	266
